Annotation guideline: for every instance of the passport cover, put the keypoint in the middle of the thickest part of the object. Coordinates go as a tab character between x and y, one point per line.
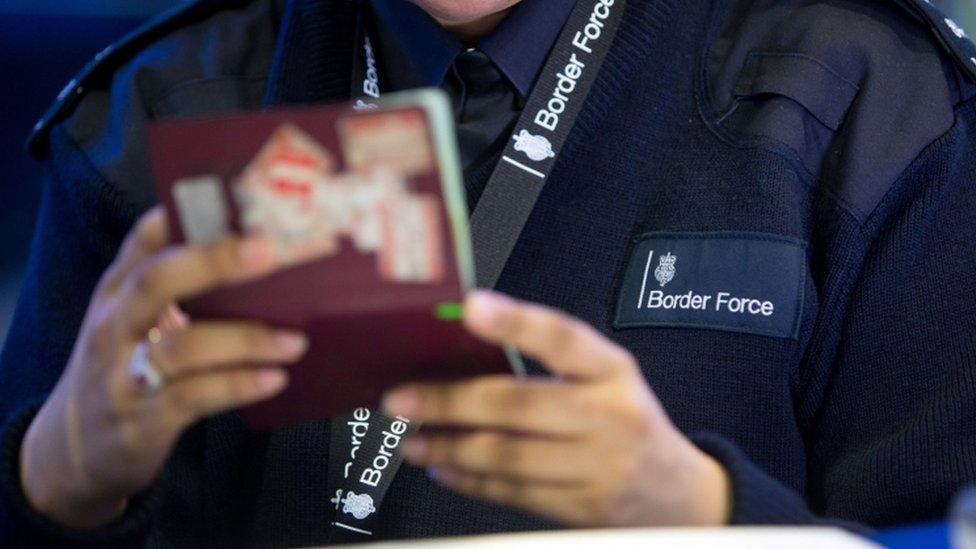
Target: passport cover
368	207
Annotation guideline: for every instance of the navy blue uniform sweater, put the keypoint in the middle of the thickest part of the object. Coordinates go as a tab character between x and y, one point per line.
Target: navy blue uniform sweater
842	125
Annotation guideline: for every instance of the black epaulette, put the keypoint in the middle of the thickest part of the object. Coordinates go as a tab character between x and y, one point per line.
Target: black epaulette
109	59
949	33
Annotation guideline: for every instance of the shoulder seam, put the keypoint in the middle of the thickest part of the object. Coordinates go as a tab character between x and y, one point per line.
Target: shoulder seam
871	218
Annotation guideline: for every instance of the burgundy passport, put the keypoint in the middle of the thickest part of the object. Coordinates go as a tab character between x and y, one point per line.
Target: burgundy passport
367	209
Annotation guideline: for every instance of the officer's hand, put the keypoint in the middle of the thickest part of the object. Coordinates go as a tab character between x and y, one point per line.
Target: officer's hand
100	437
593	448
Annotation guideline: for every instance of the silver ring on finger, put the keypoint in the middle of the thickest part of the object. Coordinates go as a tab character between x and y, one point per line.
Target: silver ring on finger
145	375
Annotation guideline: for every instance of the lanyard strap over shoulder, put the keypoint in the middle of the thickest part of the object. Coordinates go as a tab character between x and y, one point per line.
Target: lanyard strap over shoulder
540	133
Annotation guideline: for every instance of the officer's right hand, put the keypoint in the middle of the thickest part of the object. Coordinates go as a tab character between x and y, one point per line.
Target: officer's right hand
100	437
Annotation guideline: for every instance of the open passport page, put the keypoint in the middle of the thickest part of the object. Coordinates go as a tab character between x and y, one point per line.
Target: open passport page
367	209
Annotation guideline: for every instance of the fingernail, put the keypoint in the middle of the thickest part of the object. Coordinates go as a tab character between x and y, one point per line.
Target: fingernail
483	308
181	319
415	448
255	252
272	381
402	402
291	343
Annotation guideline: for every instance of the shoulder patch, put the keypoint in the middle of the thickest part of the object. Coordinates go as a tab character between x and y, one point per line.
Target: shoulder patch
953	38
118	53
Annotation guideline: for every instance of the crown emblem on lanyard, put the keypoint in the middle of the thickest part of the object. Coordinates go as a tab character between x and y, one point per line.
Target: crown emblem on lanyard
536	147
359	506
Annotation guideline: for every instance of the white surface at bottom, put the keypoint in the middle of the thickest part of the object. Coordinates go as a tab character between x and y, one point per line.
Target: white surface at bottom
682	538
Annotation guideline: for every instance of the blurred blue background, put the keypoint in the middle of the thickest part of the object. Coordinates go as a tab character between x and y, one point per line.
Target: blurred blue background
42	44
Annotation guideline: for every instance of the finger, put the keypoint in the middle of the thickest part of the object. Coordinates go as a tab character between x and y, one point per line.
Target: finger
149	235
500	454
196	397
184	271
557	502
500	402
208	345
173	319
565	345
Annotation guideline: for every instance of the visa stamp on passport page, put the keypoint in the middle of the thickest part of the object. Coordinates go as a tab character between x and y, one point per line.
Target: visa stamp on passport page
398	140
202	209
412	240
277	195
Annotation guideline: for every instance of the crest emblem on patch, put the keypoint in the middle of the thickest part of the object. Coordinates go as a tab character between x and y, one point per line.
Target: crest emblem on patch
536	147
359	506
664	272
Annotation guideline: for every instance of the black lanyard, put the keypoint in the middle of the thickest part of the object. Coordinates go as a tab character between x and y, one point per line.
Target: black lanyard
497	222
363	459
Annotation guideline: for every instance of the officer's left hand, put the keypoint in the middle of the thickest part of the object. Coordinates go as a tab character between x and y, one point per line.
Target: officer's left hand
591	448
